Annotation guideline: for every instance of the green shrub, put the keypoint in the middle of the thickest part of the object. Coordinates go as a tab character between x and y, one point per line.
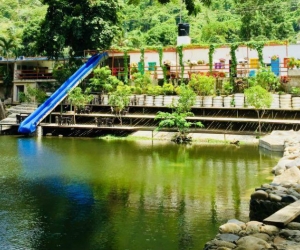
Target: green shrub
202	84
168	89
266	79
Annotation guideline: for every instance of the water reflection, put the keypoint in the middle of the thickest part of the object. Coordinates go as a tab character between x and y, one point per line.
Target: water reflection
91	194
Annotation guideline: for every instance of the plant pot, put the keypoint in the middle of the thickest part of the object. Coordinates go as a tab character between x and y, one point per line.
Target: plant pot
149	99
207	101
239	100
175	99
132	100
96	99
198	102
140	100
218	101
285	101
275	101
158	100
296	102
104	99
227	101
169	99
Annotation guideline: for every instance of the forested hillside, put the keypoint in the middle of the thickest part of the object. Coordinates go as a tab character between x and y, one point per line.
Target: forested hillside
223	22
150	23
19	14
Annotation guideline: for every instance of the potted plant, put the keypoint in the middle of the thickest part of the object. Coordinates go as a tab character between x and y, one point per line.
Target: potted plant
222	62
291	62
274	57
266	79
227	89
200	62
295	91
103	82
141	82
284	83
191	64
293	71
168	91
154	96
203	86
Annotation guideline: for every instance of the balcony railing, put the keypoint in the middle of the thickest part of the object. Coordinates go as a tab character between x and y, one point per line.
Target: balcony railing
32	75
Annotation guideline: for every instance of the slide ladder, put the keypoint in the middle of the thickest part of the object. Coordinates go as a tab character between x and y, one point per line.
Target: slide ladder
31	122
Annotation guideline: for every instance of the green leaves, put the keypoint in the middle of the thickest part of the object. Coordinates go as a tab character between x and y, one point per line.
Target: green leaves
79	98
264	20
266	79
103	80
258	97
202	84
178	118
88	25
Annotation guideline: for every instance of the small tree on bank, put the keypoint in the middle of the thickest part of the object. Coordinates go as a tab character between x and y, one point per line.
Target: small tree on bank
178	118
260	99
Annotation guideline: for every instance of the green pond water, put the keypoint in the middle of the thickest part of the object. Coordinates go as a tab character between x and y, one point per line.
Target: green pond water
74	193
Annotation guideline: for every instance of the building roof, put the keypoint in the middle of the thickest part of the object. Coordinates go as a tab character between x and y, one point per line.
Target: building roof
22	58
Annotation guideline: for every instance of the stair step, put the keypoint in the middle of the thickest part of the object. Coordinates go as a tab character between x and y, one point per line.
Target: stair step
23	111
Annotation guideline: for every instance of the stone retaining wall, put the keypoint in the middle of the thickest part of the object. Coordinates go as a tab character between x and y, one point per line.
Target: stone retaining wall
261	209
266	200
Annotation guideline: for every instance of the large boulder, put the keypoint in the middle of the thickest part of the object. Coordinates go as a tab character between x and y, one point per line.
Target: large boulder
230	228
293	163
253	243
259	195
269	229
291	175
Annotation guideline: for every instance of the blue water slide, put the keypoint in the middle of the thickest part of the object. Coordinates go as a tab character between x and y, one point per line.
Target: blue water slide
30	123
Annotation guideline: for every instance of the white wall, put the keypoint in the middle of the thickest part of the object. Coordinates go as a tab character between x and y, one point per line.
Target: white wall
282	51
294	51
196	54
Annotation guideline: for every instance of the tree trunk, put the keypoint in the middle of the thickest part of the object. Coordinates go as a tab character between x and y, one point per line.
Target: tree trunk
2	111
259	127
259	118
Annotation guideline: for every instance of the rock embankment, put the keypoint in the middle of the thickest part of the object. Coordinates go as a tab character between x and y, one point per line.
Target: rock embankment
266	200
255	235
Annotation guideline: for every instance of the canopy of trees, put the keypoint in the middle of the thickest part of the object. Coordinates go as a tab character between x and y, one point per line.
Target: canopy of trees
77	24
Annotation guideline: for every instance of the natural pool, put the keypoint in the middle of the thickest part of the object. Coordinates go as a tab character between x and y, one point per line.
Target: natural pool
74	193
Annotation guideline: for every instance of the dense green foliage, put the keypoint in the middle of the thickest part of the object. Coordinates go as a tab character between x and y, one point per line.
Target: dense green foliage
178	118
224	21
60	27
79	98
79	25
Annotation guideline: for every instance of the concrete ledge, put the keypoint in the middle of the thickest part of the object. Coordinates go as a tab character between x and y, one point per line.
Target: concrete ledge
276	140
272	143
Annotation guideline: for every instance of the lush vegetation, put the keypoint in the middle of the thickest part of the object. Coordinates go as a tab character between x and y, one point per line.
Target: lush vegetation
57	28
178	118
